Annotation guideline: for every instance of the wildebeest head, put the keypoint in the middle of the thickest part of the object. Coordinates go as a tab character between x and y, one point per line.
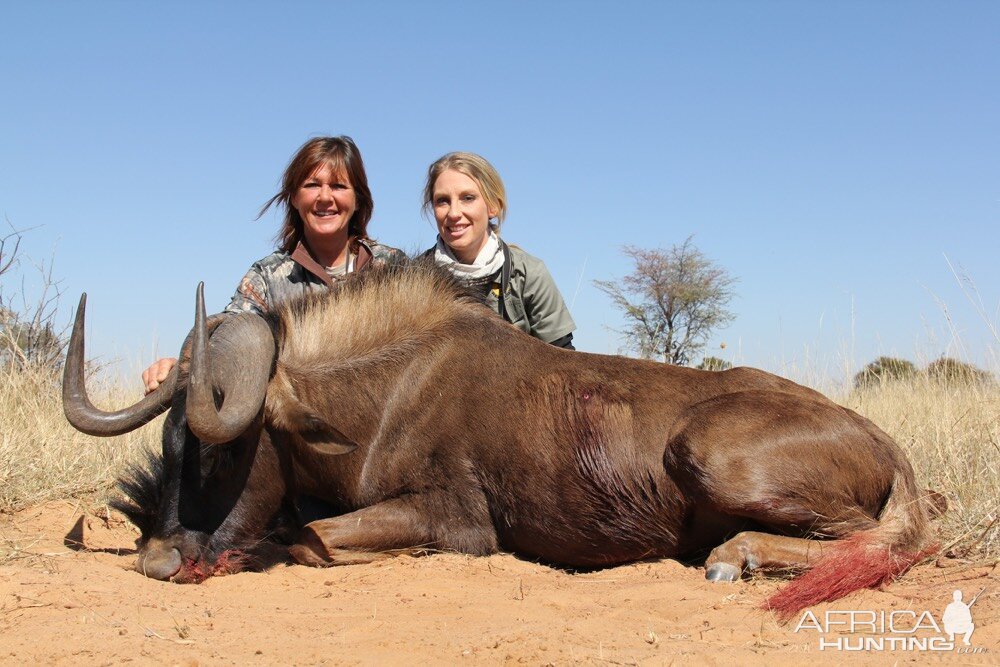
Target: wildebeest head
251	426
219	475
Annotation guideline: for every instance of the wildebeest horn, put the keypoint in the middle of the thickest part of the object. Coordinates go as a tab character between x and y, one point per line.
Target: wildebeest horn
82	414
239	361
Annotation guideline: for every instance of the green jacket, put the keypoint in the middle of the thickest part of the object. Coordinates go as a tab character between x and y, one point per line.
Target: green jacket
532	301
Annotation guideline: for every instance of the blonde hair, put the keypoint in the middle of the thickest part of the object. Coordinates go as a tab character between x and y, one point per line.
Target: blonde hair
478	169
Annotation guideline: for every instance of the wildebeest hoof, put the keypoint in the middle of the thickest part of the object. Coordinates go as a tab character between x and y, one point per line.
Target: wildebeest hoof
305	555
722	572
160	563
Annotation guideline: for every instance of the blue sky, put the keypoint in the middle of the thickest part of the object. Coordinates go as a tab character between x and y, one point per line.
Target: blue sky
829	155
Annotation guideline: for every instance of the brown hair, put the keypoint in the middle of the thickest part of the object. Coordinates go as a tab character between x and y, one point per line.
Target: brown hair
341	154
478	169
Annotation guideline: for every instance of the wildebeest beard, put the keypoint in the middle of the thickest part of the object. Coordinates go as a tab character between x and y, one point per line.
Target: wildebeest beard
187	492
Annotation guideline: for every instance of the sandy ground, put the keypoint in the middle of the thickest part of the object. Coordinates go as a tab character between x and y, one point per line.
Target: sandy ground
63	604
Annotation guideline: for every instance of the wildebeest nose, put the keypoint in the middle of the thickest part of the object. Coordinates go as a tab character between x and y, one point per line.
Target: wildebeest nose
160	563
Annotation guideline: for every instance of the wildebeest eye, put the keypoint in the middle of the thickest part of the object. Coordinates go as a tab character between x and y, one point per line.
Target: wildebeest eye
311	422
214	459
324	438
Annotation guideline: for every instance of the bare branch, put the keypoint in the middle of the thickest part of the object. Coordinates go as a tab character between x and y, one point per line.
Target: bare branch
28	335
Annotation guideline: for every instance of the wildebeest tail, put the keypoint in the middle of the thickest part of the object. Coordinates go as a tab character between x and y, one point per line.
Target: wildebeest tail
867	559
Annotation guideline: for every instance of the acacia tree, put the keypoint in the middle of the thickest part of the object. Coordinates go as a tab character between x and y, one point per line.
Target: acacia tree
672	301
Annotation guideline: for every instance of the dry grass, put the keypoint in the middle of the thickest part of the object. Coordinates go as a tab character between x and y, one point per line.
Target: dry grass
950	432
42	457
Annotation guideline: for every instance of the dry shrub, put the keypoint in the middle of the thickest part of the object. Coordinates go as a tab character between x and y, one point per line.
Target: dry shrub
951	433
953	371
884	369
42	457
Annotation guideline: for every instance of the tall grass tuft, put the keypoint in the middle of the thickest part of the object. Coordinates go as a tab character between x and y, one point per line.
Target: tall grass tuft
42	457
950	429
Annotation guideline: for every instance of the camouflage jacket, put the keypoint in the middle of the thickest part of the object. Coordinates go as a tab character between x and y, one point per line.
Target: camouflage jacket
281	276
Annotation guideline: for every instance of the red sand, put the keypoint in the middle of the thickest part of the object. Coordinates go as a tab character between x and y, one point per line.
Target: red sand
65	606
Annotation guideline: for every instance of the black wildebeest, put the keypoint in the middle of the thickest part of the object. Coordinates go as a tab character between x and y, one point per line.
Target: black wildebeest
425	421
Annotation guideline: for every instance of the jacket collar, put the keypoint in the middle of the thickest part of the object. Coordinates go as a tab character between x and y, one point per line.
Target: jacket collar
304	259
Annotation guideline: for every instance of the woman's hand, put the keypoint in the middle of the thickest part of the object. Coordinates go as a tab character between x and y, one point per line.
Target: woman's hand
157	373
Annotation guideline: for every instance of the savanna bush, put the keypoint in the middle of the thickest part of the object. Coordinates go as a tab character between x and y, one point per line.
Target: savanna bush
884	369
953	371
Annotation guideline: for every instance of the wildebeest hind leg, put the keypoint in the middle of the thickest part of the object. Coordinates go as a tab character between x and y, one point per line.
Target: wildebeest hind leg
793	467
750	550
364	535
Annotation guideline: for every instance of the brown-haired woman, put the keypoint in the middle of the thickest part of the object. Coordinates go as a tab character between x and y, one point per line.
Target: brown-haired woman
324	236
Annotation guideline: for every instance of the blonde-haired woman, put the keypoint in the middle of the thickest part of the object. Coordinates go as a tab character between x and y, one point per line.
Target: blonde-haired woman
467	198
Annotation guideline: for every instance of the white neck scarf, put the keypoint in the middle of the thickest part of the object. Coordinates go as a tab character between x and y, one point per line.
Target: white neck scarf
487	262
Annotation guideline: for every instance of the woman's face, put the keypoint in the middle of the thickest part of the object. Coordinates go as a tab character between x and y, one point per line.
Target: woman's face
325	201
462	214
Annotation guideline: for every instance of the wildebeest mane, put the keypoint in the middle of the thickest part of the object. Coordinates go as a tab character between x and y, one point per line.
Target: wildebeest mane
373	315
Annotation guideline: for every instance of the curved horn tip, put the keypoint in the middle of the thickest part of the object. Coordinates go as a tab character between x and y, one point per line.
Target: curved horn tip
199	303
81	309
77	407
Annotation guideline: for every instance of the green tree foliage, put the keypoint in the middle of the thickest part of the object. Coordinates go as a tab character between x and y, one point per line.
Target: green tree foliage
884	369
672	301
